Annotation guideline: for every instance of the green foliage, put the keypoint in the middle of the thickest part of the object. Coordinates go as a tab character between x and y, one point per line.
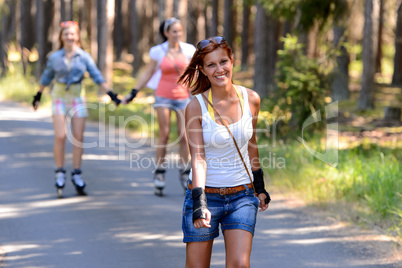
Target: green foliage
15	86
281	8
302	82
366	176
306	12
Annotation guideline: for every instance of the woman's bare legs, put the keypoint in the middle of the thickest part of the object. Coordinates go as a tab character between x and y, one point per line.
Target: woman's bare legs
198	254
164	129
59	126
77	129
238	245
181	131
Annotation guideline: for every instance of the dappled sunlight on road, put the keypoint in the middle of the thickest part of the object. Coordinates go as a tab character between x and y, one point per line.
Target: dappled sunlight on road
16	113
100	157
305	230
34	155
311	235
146	236
26	209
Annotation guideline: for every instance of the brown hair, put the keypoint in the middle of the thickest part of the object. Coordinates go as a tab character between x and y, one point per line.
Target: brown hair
192	76
77	29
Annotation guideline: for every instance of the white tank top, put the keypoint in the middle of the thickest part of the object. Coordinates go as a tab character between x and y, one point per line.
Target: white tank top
224	165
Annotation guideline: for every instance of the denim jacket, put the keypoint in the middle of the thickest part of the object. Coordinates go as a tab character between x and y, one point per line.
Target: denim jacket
56	68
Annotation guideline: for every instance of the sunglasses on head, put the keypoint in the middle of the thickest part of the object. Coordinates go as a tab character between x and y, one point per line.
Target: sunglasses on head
68	23
216	39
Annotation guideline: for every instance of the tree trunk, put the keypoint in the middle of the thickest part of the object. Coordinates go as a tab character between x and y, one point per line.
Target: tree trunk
272	50
11	20
65	10
72	10
118	40
192	20
340	82
378	58
135	34
228	22
176	8
56	26
48	9
126	25
366	98
91	5
265	48
182	14
40	38
161	11
215	18
392	113
26	32
105	36
153	35
397	76
260	51
27	29
83	18
311	41
206	11
3	40
245	35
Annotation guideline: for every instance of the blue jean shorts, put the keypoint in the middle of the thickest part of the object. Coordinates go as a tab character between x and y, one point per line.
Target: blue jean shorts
233	211
179	104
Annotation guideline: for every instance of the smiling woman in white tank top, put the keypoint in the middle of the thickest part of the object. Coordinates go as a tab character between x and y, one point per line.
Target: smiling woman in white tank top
220	193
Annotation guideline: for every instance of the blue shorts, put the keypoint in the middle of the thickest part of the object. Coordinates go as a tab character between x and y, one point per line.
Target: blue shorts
176	105
234	211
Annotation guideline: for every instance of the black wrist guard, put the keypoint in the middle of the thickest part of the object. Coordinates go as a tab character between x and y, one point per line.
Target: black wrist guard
132	95
199	203
259	184
114	97
36	98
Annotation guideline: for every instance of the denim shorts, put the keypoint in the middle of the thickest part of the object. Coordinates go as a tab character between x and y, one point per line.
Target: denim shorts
179	104
233	211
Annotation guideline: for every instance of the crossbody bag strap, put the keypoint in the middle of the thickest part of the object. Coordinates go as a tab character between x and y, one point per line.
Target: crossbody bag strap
234	140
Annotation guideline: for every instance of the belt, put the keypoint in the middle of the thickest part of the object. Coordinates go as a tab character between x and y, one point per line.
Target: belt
223	190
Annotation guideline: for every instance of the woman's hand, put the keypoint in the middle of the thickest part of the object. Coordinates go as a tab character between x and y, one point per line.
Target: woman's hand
36	100
200	223
113	97
129	97
262	198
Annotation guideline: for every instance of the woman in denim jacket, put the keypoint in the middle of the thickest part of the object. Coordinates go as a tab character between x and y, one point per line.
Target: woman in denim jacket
67	67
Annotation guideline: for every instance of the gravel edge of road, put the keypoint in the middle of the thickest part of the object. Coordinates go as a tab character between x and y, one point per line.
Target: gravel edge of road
392	253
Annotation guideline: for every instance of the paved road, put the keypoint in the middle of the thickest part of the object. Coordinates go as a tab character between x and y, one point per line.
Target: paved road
121	223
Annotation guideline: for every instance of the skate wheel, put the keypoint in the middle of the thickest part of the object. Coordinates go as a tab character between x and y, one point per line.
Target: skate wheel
158	192
81	192
59	193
